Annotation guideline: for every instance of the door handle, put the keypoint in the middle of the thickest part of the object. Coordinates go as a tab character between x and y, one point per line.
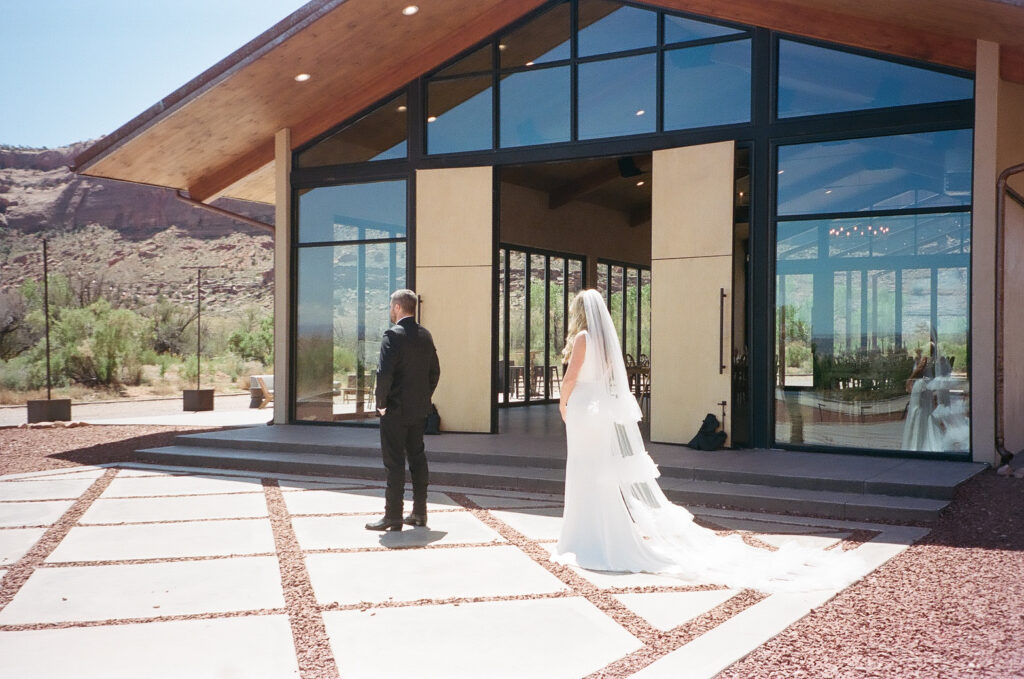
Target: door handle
721	331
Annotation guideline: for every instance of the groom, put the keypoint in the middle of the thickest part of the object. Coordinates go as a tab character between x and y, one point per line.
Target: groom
407	375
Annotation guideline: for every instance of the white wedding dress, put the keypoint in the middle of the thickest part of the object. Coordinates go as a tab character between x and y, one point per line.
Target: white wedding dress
617	518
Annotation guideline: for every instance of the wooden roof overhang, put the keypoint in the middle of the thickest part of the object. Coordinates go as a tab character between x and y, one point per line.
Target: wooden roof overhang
215	135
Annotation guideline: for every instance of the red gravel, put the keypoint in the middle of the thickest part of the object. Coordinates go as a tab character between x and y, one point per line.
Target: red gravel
32	450
950	606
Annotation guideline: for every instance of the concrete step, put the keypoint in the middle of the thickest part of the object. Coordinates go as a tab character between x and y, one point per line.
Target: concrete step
754	497
807	471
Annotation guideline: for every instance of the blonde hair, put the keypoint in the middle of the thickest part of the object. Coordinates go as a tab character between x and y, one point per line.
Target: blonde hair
577	323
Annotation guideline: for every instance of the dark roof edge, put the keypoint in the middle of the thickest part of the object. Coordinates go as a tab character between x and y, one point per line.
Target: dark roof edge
243	56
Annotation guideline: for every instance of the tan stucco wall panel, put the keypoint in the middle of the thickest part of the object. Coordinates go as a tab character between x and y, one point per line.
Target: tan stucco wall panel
457	311
453	216
685	380
692	195
455	240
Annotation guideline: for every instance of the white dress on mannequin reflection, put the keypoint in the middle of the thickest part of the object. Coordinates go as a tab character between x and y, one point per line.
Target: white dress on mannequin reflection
617	518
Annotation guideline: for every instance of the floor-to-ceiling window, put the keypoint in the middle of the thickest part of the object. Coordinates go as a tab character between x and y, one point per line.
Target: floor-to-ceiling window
535	289
872	279
350	257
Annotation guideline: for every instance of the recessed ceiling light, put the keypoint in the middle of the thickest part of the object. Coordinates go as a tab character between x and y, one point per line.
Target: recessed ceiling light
529	63
302	77
781	171
410	10
640	183
402	108
431	119
741	194
828	190
641	112
501	46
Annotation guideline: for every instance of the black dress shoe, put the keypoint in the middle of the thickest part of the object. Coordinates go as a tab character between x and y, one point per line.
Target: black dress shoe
385	524
415	519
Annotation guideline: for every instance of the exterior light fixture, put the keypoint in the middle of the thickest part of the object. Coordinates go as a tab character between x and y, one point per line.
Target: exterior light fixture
402	108
431	119
410	10
302	77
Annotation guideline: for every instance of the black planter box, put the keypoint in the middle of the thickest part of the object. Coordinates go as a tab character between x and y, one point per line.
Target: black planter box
197	399
49	410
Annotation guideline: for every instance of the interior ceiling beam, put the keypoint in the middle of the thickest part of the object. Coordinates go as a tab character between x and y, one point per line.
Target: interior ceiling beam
640	216
595	179
807	19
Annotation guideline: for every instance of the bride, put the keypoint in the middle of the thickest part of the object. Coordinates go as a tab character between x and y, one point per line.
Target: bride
616	516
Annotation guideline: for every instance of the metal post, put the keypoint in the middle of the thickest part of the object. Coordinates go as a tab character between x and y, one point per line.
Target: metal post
199	318
46	314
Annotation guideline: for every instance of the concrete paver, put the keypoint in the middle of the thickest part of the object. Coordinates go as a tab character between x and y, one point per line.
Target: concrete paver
165	540
50	489
32	513
350	501
15	542
145	486
427	574
251	647
175	508
536	524
347	532
543	638
666	610
67	594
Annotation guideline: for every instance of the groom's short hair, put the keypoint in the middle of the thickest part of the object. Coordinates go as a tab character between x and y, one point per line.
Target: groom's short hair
406	299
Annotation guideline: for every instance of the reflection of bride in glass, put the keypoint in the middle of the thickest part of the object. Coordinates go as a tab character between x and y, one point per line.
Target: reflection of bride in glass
936	419
616	516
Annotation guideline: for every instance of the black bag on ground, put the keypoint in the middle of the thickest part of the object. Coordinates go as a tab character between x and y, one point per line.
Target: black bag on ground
708	437
433	421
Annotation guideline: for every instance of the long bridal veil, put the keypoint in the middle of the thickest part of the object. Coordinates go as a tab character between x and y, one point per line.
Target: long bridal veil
610	475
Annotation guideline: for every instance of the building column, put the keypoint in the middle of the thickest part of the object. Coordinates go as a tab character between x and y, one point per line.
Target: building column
282	271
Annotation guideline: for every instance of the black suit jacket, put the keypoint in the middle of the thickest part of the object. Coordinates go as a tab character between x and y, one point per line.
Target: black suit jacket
408	371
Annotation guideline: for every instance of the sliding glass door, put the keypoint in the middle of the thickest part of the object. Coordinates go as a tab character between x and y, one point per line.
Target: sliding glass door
534	290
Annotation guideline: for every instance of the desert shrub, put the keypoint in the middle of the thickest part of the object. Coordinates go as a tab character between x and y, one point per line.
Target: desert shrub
254	341
344	360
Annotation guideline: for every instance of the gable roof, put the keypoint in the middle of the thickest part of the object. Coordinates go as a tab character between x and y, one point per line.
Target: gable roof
214	136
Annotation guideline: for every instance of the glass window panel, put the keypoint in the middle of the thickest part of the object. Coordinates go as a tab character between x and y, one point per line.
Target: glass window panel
542	40
517	325
615	299
893	236
679	29
815	80
602	280
872	337
503	371
606	27
645	313
459	115
575	276
556	320
631	312
353	212
690	102
897	172
535	107
379	135
479	61
537	316
617	97
340	324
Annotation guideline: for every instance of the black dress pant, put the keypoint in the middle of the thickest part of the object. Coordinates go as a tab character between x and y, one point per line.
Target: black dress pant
401	441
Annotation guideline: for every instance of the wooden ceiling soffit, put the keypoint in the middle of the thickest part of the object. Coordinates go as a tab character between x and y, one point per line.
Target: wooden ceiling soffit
258	187
1011	63
382	83
845	29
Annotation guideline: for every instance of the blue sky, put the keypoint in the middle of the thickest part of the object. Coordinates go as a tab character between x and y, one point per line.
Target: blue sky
73	70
